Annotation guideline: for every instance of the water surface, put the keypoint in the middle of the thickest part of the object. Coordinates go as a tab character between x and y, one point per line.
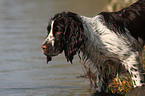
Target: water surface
23	68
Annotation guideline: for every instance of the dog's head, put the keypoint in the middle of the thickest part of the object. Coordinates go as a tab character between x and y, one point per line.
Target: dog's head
65	33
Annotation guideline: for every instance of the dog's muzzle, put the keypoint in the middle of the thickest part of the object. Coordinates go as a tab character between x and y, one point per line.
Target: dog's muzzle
44	48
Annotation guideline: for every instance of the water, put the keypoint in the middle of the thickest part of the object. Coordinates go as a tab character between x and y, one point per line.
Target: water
23	68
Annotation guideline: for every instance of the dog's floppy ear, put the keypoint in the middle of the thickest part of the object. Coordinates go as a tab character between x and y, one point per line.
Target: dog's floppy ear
73	35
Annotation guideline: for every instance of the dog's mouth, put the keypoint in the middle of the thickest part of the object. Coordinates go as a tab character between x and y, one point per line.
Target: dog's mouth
48	58
50	55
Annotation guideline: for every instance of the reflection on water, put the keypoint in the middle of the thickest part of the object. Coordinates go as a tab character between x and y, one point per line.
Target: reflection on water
23	69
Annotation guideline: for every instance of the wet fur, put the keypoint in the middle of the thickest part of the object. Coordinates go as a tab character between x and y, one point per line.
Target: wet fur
110	36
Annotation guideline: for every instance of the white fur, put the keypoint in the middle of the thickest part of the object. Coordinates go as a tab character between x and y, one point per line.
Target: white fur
50	37
103	44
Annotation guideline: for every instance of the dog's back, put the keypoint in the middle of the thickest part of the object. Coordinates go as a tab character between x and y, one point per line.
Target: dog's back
131	18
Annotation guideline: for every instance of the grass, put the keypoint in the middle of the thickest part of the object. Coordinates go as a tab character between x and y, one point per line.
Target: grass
121	84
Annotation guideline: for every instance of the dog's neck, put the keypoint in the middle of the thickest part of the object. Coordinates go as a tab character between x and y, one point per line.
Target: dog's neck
100	40
93	47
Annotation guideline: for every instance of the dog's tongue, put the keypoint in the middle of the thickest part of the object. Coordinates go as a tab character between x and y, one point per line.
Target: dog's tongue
49	59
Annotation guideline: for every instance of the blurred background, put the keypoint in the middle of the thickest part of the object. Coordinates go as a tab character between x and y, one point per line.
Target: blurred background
23	68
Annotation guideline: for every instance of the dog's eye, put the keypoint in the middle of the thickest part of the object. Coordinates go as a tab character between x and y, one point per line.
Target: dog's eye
58	32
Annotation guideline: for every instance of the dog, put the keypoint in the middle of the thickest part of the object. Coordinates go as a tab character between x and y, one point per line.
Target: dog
110	36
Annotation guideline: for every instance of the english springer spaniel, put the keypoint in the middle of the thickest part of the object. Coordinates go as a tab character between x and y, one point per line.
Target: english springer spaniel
110	36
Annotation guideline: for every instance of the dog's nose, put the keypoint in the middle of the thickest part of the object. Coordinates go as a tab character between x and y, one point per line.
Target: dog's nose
44	47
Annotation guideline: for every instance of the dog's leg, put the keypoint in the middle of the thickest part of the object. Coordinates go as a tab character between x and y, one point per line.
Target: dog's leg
102	80
134	66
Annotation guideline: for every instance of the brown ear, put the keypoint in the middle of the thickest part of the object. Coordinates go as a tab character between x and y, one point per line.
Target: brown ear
73	35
